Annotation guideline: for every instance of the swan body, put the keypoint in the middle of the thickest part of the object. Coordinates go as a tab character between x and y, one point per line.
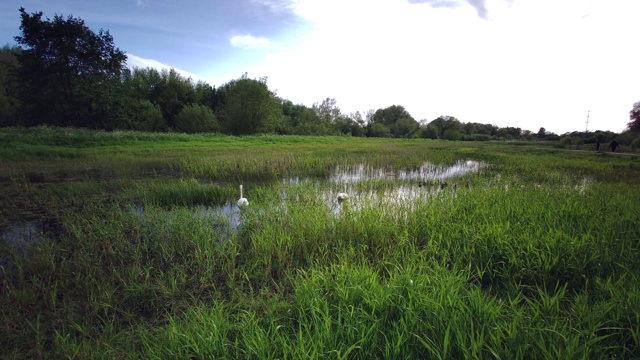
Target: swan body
242	201
342	197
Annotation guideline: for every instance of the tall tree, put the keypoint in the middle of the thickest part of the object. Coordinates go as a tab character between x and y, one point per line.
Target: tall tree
69	74
247	106
446	122
634	116
8	85
397	119
391	115
328	111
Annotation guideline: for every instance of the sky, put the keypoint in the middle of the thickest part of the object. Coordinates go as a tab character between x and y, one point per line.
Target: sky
522	63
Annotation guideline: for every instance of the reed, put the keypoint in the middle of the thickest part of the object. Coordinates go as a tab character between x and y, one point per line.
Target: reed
136	250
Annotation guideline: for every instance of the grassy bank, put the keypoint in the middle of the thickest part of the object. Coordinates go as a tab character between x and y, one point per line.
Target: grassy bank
535	255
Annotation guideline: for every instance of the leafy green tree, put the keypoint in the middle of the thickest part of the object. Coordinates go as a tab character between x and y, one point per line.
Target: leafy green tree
634	116
9	85
358	124
398	120
142	115
377	129
444	123
328	111
470	128
296	117
167	89
404	127
542	133
429	132
452	134
391	115
70	75
343	125
247	106
197	118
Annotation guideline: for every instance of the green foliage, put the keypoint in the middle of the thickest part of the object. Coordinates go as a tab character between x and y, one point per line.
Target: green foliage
131	263
167	89
452	134
480	137
444	123
142	115
405	127
9	103
248	107
69	74
378	130
328	111
390	115
429	132
396	119
541	133
197	118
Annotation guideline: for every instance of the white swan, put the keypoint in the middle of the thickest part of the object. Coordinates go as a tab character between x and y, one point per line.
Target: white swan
242	201
342	197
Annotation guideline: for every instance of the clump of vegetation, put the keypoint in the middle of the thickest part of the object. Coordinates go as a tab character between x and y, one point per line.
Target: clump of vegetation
533	256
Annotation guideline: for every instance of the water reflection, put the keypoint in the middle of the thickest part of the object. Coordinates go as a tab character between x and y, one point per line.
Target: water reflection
225	219
426	172
405	187
23	234
20	236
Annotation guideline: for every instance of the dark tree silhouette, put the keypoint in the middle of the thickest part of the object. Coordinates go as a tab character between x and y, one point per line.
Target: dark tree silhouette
70	75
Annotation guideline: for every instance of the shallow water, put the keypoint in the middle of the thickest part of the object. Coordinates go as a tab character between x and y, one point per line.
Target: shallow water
401	187
404	188
23	233
20	236
426	172
225	219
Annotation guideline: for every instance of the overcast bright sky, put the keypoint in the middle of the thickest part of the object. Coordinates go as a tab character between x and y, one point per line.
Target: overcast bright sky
523	63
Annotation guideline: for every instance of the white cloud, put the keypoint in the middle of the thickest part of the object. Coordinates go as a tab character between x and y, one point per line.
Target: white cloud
276	6
529	64
249	41
134	61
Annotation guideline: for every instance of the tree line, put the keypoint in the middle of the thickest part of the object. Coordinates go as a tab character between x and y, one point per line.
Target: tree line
64	74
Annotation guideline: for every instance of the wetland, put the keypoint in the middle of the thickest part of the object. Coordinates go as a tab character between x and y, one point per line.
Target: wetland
132	245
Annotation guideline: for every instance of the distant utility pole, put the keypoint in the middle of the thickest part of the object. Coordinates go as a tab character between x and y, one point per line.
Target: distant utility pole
587	128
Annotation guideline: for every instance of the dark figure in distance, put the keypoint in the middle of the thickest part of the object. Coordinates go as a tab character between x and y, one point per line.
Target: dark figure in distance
597	145
614	145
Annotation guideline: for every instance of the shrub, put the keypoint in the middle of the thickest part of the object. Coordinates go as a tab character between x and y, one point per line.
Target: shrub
144	116
197	118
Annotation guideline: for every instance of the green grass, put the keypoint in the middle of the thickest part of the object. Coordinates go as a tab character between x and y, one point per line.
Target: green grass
534	256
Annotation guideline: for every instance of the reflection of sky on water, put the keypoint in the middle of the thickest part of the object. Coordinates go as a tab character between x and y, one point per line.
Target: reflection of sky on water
23	233
405	186
426	172
21	236
225	219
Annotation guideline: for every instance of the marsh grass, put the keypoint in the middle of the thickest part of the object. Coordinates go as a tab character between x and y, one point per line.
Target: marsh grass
533	256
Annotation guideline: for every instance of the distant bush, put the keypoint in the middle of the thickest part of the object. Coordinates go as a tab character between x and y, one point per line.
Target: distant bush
479	137
429	132
635	144
144	116
196	119
451	134
378	130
